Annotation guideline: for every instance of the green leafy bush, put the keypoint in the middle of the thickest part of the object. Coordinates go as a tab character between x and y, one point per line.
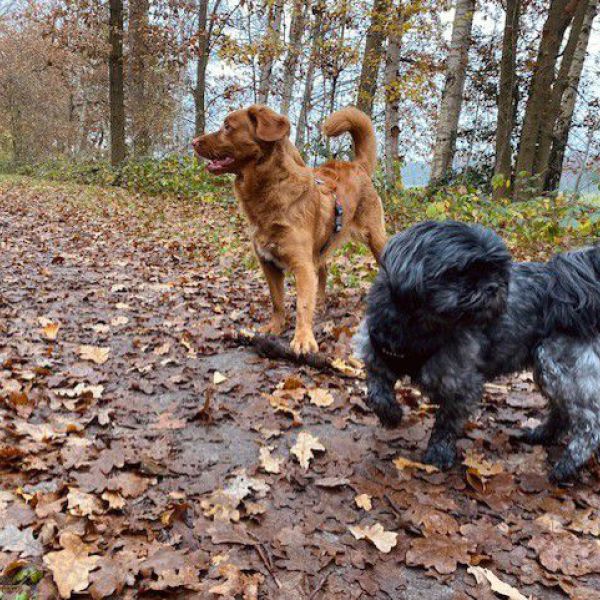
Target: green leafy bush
538	224
181	176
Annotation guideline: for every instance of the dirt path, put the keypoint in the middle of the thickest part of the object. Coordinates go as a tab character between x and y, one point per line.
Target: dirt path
116	482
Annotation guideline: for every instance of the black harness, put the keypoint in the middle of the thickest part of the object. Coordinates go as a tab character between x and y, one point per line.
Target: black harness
338	218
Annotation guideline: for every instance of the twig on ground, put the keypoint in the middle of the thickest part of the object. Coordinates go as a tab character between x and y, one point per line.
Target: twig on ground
269	346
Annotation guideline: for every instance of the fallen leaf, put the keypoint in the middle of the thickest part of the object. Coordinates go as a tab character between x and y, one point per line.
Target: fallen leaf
71	566
480	466
96	354
320	397
13	539
364	501
83	504
237	583
497	585
304	447
218	378
405	463
269	463
383	540
441	552
49	329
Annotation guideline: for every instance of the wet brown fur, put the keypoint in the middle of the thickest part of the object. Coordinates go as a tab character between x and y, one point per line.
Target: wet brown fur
291	216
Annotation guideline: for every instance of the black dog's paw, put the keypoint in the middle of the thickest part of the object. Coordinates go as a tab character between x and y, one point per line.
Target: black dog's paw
564	471
442	455
388	410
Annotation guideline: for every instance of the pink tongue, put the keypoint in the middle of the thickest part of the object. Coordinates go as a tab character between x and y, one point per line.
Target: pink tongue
220	163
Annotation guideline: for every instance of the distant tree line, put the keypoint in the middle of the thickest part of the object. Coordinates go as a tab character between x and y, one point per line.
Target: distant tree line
137	78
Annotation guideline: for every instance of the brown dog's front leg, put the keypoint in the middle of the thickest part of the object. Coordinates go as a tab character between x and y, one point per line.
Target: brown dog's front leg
275	279
306	290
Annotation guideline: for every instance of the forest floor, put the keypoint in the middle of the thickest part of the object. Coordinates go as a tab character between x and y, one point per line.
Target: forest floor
142	453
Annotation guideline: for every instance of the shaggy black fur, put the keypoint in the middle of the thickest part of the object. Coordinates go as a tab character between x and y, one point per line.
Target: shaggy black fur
450	309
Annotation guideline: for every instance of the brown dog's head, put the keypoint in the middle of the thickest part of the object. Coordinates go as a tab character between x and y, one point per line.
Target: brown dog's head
244	138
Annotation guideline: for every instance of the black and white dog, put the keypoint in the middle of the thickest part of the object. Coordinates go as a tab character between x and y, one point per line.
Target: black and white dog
451	310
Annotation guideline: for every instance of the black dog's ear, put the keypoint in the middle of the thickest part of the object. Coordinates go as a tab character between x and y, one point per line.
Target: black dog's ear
403	264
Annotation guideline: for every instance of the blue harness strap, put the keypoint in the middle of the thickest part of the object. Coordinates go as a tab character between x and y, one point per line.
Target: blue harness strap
338	217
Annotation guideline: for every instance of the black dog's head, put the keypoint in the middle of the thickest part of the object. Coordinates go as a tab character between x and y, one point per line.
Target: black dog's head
450	272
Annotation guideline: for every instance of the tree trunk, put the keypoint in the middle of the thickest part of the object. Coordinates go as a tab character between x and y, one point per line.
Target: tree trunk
300	9
116	90
392	99
506	93
582	168
138	63
452	96
559	17
302	125
269	50
548	123
367	85
569	99
201	64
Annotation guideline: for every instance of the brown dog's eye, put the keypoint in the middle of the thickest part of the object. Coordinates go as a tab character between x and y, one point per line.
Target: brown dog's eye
226	127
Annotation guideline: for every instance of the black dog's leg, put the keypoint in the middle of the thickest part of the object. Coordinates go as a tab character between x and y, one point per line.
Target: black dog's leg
568	372
381	397
450	419
451	382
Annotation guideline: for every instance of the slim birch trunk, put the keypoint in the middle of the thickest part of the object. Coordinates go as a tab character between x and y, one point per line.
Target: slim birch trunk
452	95
292	59
305	107
269	50
392	99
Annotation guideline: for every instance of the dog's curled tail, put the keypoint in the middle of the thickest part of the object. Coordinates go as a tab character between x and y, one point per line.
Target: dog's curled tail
574	292
360	127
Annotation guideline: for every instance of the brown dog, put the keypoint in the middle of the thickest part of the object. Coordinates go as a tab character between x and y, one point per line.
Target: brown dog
298	215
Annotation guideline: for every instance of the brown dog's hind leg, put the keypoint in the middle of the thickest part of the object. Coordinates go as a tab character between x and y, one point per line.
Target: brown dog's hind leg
275	278
371	224
306	291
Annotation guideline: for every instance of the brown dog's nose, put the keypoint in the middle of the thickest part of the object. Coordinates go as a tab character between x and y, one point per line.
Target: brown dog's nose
195	142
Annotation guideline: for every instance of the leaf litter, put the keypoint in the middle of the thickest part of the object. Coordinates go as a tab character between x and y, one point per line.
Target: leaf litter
142	453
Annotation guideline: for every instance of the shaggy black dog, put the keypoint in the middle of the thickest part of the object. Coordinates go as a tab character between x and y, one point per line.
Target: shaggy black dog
450	309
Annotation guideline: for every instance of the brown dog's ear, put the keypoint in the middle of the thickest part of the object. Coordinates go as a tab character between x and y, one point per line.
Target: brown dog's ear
270	127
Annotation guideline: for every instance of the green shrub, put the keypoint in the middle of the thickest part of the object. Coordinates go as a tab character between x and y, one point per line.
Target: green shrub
533	224
180	176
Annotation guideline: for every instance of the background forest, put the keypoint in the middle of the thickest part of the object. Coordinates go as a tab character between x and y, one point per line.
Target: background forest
500	96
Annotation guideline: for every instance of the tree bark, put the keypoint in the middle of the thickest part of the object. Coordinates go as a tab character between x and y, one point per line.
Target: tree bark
138	32
201	65
367	85
452	95
548	123
506	93
569	99
315	50
269	50
559	16
300	9
116	88
392	99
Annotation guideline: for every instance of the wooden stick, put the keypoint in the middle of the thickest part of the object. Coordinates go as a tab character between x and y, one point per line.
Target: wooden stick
270	346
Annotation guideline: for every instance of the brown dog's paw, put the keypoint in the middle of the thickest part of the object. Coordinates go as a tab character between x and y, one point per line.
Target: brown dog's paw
304	342
276	326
